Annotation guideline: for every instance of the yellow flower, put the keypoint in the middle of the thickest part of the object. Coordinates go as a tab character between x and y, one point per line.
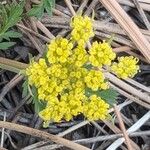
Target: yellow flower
95	80
101	54
126	67
61	79
82	29
79	56
36	71
95	109
68	106
59	50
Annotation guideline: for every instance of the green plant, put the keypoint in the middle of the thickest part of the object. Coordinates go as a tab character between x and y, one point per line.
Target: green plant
38	10
9	16
70	79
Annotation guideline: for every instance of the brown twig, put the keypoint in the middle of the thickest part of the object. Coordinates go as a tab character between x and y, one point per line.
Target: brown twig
142	13
82	6
33	32
121	124
34	41
59	13
44	30
115	129
2	148
68	3
129	3
91	6
122	49
129	26
31	19
13	63
10	85
126	87
130	96
21	103
41	134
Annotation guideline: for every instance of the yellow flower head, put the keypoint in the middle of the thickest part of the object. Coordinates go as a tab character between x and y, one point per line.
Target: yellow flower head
59	50
35	71
101	54
79	56
66	107
95	109
126	67
95	80
54	111
82	29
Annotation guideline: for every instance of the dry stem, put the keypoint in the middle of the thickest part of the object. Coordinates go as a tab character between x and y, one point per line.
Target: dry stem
121	124
41	134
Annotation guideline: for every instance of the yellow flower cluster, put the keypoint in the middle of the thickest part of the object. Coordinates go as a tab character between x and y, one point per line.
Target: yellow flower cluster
82	29
126	67
96	108
47	80
95	80
62	85
36	77
67	106
60	49
101	54
80	56
61	79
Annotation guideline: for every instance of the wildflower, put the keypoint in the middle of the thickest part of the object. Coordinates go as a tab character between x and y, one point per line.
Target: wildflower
95	80
82	29
35	71
126	67
59	50
65	108
62	77
101	54
54	111
79	57
95	109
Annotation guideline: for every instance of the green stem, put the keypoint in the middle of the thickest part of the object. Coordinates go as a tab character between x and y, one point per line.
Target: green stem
12	65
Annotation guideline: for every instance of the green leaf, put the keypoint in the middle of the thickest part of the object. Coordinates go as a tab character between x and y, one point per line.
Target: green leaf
36	11
25	91
52	3
11	34
48	5
109	95
3	14
11	15
38	105
6	45
88	66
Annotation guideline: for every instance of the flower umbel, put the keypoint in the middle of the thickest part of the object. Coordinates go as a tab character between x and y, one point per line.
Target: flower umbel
96	80
62	78
82	29
58	50
101	54
96	108
126	67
